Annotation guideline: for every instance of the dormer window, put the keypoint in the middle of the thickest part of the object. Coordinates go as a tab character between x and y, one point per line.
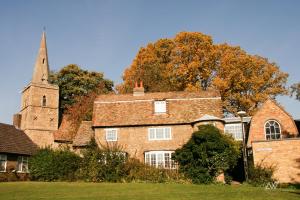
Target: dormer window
44	101
160	107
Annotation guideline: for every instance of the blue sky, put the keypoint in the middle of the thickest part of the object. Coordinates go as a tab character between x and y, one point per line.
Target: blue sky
106	35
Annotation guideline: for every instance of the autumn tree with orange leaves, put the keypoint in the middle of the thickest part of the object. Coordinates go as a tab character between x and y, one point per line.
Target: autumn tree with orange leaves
192	62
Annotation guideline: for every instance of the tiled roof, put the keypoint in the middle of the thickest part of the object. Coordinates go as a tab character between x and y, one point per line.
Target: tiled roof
13	140
129	110
66	131
84	134
208	118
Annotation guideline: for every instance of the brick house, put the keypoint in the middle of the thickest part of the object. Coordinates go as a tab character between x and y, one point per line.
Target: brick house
150	126
274	141
15	148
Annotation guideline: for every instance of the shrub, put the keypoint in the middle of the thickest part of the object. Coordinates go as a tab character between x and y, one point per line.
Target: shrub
207	154
49	165
140	172
261	175
105	164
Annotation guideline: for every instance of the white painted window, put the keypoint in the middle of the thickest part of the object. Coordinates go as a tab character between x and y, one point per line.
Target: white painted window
23	164
111	134
161	133
160	159
272	130
235	130
3	162
160	107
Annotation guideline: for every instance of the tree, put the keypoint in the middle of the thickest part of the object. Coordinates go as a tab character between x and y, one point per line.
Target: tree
74	82
191	61
245	81
295	89
150	65
207	154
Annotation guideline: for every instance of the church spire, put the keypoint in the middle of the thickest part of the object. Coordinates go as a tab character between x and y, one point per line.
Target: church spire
41	68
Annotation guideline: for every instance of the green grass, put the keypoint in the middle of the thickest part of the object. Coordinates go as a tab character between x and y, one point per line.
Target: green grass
132	191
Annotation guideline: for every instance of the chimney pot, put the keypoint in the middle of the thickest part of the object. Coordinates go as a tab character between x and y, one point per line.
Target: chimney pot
139	91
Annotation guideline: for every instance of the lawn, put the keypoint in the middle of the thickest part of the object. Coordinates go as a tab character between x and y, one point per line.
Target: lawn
132	191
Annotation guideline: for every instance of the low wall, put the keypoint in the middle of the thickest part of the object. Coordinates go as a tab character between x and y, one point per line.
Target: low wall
283	154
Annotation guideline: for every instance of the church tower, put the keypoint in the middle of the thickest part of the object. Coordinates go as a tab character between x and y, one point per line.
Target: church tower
38	117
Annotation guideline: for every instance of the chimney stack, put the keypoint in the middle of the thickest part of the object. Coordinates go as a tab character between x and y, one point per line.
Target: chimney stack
17	120
138	90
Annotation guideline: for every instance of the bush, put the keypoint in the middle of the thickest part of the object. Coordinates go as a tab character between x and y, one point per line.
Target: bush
139	172
106	164
50	165
261	175
207	154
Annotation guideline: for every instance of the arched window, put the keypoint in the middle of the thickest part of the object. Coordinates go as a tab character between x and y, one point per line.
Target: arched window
44	101
272	130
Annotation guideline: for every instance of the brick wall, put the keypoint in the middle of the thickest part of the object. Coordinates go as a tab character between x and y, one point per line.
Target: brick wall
271	111
134	140
283	154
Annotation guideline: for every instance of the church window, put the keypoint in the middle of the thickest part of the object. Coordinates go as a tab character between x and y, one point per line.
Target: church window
43	60
272	130
44	101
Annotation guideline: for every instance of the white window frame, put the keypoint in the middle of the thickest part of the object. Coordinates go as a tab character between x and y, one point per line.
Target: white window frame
151	156
160	106
234	134
154	132
108	131
3	158
24	162
268	121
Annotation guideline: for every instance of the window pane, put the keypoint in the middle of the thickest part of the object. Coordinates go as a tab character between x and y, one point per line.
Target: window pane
2	165
159	133
167	160
151	133
160	160
111	135
160	107
153	160
235	130
147	158
167	133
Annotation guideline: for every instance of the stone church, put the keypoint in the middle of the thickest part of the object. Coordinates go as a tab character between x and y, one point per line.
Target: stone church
150	126
38	116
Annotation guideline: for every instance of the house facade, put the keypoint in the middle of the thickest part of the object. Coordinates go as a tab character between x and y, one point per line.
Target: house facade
150	126
274	142
15	149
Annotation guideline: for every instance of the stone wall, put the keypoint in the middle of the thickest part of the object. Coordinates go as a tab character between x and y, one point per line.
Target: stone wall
284	155
38	121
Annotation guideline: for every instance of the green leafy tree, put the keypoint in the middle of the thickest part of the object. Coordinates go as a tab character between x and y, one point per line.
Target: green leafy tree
74	82
207	154
295	89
